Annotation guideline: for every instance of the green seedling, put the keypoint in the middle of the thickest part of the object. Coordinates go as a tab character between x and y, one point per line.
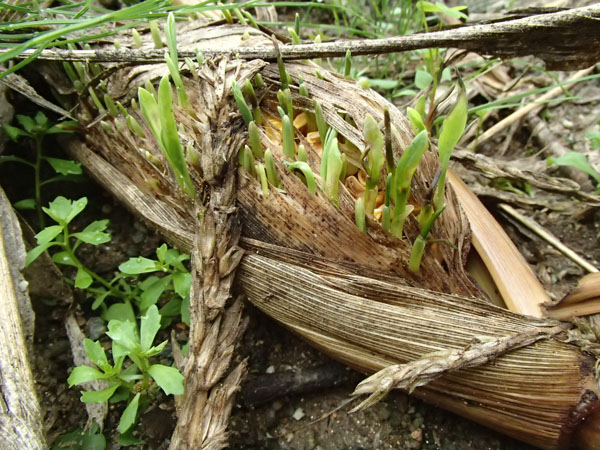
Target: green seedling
333	170
289	146
254	138
240	17
155	32
322	126
271	169
137	39
63	211
407	165
138	382
307	172
246	160
241	103
97	103
285	101
347	64
360	214
577	160
452	130
262	177
302	155
295	38
135	126
258	81
250	94
36	129
415	120
297	24
90	439
373	160
162	124
418	248
284	76
110	106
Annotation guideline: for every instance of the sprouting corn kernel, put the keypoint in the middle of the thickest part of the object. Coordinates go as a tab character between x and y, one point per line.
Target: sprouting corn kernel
300	121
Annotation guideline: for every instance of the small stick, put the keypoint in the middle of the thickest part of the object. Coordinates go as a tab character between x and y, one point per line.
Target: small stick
548	237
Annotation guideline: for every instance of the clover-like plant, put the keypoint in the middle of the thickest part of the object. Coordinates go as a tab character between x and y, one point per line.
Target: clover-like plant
135	382
37	128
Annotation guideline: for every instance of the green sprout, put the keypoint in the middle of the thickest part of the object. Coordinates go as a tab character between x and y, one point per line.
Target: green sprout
418	248
373	160
359	214
452	130
37	128
271	169
140	379
307	172
405	169
254	137
241	103
161	121
289	146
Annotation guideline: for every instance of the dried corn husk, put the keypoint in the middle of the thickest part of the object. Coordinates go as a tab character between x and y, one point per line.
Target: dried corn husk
350	293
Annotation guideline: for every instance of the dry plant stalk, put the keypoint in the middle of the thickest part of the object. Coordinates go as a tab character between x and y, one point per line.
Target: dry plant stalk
20	415
308	266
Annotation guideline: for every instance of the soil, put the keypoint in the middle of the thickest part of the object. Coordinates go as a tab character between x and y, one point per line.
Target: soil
317	419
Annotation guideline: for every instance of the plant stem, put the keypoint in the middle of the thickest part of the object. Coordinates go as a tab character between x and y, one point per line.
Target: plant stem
38	193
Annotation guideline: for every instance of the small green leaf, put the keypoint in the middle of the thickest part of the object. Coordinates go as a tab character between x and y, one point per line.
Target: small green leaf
415	120
168	378
150	112
127	439
25	204
35	252
83	374
94	233
96	353
289	146
14	133
577	160
241	103
124	333
48	234
254	138
185	310
153	292
27	123
63	211
83	279
181	283
99	396
135	266
171	309
65	166
150	324
161	253
64	258
422	79
128	418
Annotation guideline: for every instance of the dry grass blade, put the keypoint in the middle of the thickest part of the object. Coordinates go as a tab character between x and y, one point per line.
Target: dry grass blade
518	285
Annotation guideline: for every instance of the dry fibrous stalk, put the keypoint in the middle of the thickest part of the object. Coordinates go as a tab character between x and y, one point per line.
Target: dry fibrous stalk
309	266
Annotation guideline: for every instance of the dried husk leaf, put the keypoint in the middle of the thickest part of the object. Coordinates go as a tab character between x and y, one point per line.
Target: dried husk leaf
347	292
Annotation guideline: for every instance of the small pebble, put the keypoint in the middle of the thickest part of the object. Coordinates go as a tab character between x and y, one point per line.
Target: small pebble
270	369
95	327
298	414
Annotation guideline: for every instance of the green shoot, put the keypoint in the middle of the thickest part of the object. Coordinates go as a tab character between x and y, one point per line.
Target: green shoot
241	103
373	160
37	128
262	177
139	378
289	146
271	169
407	165
309	176
246	160
419	245
452	129
359	214
333	170
254	137
161	121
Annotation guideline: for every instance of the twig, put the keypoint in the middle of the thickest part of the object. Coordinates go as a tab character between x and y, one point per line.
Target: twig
547	236
565	39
